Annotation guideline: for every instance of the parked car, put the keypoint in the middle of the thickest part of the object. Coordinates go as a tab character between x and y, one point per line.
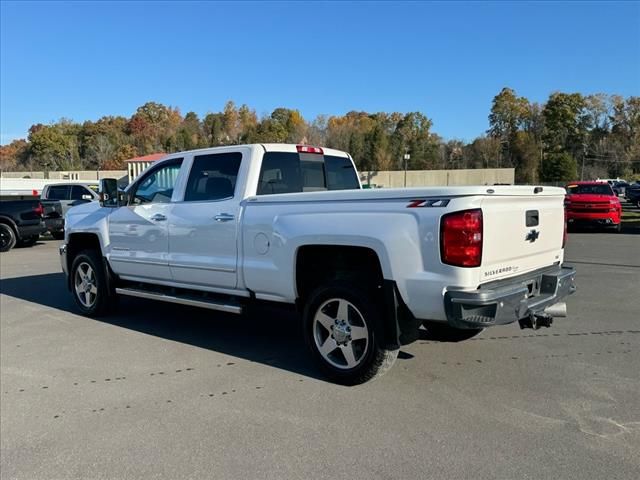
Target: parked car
53	218
67	195
610	181
632	194
593	204
21	223
619	187
226	228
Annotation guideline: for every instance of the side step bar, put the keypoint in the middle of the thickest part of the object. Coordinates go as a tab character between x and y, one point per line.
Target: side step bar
182	300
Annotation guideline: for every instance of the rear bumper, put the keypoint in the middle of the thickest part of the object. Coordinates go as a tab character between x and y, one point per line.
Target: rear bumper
26	231
503	302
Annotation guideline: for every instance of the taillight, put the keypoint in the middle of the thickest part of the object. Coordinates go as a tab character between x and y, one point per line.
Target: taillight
39	210
309	149
565	234
461	238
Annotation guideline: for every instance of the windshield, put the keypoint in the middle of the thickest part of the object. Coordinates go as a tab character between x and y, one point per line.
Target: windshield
592	189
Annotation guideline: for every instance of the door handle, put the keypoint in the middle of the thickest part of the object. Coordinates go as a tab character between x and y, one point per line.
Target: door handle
158	217
223	217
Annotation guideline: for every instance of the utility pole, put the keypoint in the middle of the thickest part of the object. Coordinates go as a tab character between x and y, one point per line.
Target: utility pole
584	154
406	162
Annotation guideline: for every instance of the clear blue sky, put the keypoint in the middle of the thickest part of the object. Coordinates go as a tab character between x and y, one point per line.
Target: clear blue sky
447	60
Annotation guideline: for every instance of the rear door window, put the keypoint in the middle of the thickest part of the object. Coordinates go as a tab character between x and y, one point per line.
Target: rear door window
288	172
213	177
58	192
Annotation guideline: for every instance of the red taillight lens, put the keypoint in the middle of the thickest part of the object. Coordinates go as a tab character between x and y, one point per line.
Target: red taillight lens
565	235
461	238
309	149
39	210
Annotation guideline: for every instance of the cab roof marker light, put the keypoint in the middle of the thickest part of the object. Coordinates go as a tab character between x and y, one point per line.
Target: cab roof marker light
309	149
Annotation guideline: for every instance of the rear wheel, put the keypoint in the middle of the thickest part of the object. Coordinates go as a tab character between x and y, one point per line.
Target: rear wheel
88	283
58	235
443	332
341	325
7	237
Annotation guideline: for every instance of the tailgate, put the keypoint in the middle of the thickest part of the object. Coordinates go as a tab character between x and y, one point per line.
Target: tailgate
52	208
521	234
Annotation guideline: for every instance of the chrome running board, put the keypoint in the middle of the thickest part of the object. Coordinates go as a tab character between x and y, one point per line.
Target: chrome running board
182	300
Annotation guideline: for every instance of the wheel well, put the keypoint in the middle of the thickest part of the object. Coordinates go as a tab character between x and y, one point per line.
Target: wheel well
318	264
10	222
79	242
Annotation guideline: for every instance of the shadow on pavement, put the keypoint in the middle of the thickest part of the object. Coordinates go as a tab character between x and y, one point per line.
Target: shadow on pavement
271	336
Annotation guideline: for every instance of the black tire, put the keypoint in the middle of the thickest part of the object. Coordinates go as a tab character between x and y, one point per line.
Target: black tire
99	299
7	237
369	358
442	332
617	228
28	241
58	235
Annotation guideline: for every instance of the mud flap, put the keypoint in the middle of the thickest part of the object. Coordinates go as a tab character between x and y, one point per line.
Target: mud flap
399	327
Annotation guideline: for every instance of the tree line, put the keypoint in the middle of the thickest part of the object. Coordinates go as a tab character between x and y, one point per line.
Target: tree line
568	137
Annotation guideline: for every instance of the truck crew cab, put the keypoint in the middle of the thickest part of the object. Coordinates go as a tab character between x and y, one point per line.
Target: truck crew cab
227	227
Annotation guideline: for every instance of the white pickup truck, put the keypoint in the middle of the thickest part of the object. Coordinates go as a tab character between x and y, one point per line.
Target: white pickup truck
226	228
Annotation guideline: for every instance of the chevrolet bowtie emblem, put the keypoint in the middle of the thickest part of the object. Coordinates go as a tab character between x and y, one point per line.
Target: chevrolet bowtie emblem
532	236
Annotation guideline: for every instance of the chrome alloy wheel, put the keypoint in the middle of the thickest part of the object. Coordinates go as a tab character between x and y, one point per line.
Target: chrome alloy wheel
340	333
85	285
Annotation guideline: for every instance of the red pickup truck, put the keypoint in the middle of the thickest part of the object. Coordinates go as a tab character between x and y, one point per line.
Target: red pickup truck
593	203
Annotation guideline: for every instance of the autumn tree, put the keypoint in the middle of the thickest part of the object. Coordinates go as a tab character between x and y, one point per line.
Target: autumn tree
13	155
55	147
559	167
509	113
599	133
565	123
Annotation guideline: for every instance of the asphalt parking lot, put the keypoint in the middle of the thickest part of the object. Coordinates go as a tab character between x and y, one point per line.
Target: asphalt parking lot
164	391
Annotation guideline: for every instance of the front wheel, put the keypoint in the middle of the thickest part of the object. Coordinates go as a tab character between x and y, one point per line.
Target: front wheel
341	324
88	283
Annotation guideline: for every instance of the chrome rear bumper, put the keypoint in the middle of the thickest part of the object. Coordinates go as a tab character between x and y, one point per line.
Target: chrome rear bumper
510	300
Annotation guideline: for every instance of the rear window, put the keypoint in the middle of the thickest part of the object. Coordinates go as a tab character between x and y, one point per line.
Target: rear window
288	172
593	189
60	192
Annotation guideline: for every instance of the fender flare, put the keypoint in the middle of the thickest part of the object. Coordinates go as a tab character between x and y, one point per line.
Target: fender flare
9	221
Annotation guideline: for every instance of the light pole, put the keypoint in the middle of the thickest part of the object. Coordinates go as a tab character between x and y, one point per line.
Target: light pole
584	154
406	161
